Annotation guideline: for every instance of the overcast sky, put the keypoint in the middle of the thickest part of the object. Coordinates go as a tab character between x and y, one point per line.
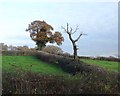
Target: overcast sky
97	19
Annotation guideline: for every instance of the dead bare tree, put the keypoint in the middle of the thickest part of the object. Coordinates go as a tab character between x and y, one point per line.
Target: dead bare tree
69	30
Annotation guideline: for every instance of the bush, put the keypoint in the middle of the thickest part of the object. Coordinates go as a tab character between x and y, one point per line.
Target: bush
52	49
66	54
50	58
68	65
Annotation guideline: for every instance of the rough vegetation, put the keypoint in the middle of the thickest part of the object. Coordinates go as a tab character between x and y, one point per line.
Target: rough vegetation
83	79
32	83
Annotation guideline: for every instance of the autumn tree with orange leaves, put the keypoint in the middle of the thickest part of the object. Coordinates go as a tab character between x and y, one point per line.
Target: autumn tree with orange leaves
41	33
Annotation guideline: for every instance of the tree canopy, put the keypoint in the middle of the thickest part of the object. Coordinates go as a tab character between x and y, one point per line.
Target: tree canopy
41	33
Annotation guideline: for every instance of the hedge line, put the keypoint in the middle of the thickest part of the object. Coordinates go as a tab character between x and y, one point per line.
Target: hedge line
18	53
32	83
30	53
70	66
50	58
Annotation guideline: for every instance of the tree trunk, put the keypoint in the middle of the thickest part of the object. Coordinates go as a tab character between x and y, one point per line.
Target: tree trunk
40	45
75	52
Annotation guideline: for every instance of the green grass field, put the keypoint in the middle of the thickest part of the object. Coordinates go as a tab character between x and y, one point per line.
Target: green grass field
108	65
29	63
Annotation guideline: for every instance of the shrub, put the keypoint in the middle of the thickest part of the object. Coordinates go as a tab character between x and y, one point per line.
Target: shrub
52	49
68	65
66	54
50	58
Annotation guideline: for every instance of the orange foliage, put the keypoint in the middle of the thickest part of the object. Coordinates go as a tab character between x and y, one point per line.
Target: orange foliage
40	31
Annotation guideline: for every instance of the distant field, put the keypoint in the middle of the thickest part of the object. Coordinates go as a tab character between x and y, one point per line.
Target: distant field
10	63
109	65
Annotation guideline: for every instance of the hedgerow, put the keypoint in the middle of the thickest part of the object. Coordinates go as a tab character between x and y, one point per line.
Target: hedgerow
34	83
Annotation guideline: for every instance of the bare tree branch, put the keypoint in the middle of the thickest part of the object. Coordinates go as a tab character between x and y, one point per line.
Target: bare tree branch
71	30
75	30
70	37
84	34
79	37
63	28
68	28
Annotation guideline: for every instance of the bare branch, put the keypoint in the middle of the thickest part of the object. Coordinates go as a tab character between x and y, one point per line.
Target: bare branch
84	34
71	30
68	28
75	30
79	37
64	28
70	37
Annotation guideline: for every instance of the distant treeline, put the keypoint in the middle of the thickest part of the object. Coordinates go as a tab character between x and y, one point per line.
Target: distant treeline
5	47
101	58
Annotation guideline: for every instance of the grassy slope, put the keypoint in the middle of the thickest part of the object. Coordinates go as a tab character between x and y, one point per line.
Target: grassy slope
109	65
24	62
